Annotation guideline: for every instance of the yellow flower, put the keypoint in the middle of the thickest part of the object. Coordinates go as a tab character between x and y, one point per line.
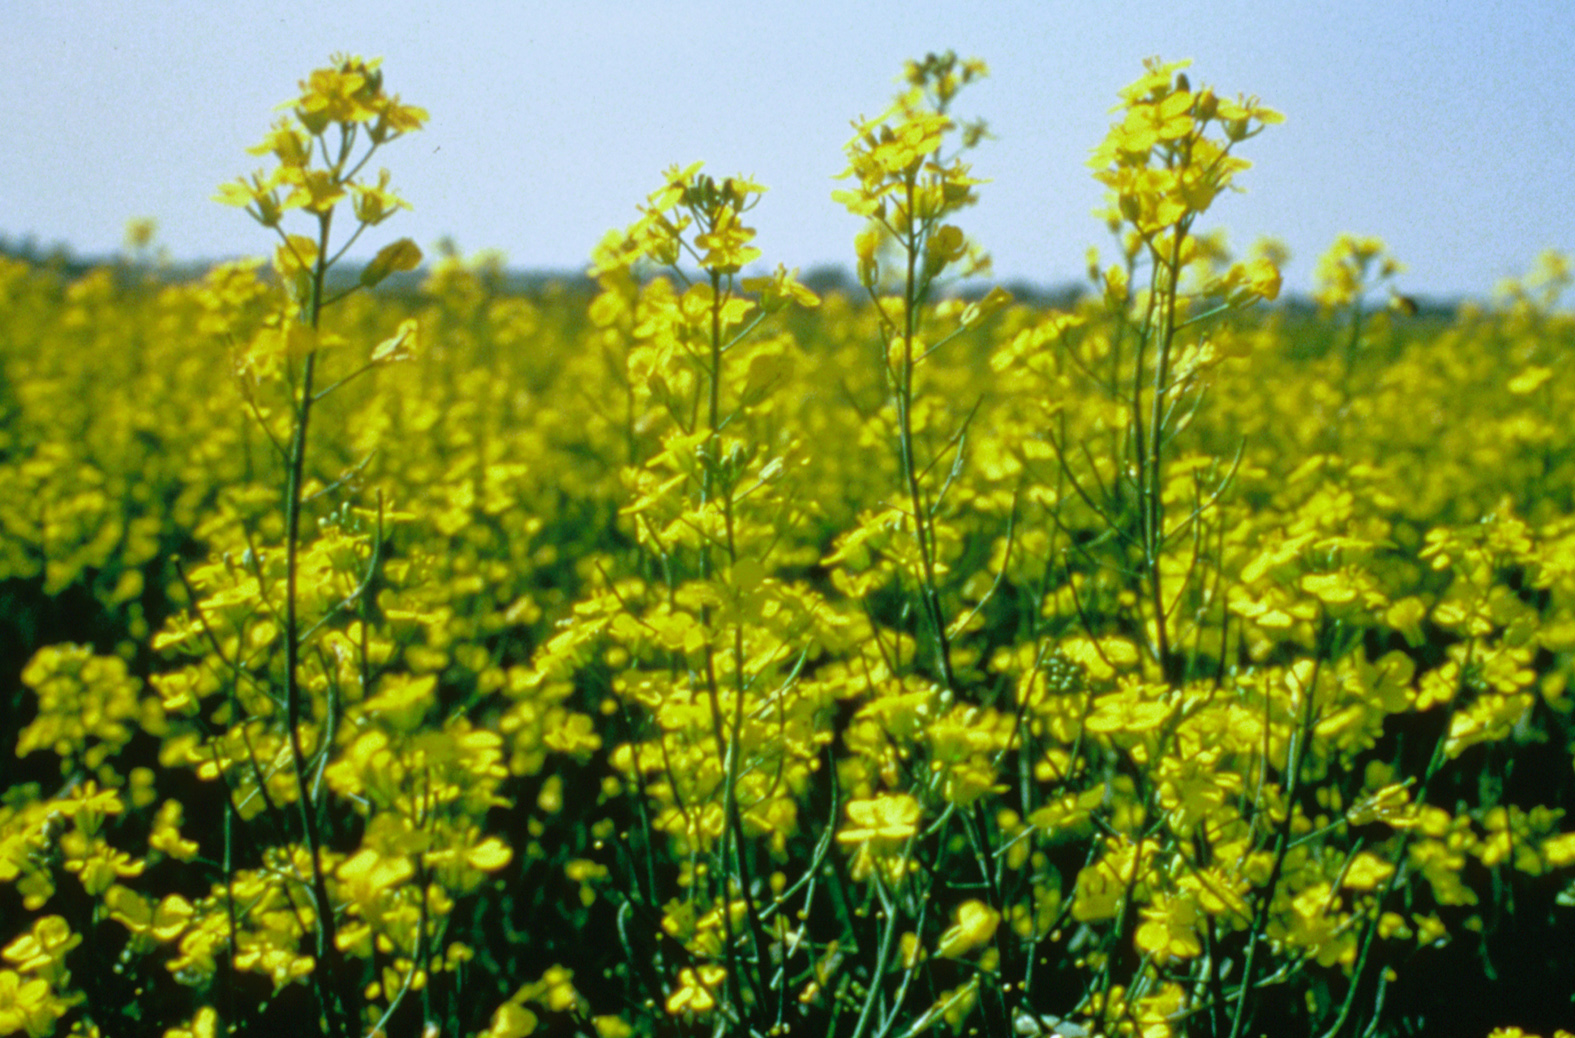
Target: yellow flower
96	862
695	987
316	190
367	876
1126	711
345	92
781	289
1169	929
975	926
1146	125
259	196
889	819
1366	871
27	1006
204	1024
166	835
489	855
727	244
88	804
608	1026
42	950
376	203
511	1020
287	143
164	922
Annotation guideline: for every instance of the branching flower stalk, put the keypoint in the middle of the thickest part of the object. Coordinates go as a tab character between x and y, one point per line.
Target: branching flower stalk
707	538
1164	170
906	189
315	173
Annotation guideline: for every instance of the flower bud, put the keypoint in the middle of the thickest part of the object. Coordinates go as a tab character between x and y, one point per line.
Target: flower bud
865	244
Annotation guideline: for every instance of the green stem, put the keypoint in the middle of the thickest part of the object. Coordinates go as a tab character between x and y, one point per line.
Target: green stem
923	529
1300	735
1154	518
336	1010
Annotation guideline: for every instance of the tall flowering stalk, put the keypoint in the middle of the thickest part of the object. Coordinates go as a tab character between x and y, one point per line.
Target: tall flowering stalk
712	642
910	181
339	121
1165	161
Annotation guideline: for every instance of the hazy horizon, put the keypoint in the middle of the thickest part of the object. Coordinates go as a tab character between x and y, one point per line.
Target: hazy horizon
1433	125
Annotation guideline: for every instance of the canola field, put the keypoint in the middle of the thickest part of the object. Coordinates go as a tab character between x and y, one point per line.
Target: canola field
699	654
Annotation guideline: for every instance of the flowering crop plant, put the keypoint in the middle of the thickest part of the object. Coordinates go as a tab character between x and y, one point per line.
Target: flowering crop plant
697	651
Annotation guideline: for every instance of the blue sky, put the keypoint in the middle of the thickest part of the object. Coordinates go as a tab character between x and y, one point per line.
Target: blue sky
1442	126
